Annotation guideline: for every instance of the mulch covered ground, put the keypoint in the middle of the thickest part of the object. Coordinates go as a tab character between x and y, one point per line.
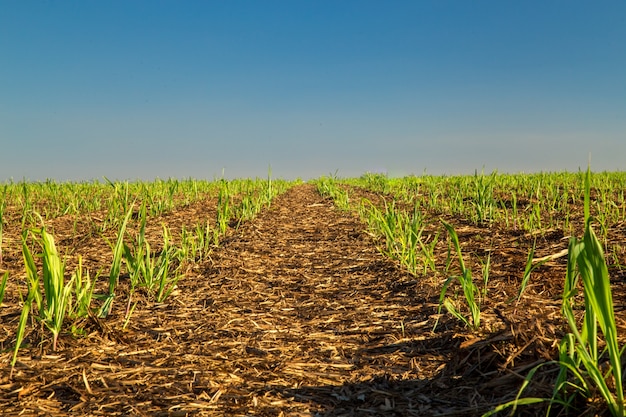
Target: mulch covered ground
296	313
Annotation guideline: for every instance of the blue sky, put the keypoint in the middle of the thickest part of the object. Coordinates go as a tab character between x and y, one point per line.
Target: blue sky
145	89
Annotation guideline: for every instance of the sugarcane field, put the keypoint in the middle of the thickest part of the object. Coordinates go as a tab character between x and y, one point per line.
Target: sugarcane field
473	295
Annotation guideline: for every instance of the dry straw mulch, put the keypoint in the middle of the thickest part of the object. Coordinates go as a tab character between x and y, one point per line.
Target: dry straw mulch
296	313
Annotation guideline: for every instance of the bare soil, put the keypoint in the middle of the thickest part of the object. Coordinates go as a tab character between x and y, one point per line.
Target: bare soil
296	313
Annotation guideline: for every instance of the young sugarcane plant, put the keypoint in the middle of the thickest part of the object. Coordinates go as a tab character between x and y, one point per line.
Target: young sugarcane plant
470	290
530	267
595	370
56	291
166	279
151	269
116	264
83	291
586	260
224	211
55	303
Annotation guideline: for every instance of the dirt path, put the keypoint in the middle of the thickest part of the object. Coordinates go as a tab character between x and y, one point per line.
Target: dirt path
308	300
295	314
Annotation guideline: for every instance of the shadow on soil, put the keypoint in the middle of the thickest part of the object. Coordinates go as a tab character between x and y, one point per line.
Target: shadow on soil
457	381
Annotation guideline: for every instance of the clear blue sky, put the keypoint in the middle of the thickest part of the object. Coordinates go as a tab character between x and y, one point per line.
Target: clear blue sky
145	88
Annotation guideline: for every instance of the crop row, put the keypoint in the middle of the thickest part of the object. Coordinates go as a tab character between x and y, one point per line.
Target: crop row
528	202
53	294
409	216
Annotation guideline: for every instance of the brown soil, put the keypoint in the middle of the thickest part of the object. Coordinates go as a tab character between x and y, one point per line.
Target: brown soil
296	313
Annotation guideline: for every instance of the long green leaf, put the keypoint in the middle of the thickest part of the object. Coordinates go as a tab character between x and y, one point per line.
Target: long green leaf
118	252
32	276
3	285
116	264
21	330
